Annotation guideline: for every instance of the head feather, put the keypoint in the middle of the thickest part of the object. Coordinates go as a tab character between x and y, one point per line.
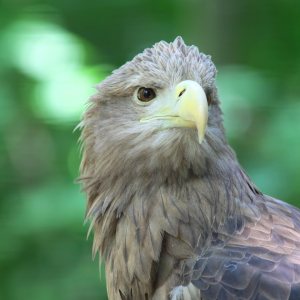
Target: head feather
167	63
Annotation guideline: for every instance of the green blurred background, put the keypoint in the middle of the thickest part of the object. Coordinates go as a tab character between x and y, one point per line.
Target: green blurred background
51	54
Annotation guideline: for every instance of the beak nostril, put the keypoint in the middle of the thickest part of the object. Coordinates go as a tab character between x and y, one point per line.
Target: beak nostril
181	93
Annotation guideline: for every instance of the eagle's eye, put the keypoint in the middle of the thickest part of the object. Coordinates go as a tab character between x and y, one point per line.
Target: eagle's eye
146	94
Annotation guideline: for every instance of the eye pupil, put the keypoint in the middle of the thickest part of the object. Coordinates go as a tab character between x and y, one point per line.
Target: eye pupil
146	94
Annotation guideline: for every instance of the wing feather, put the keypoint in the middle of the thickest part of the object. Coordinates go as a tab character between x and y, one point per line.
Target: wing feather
261	262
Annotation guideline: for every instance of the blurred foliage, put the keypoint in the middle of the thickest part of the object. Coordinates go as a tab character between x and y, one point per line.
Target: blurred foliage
53	52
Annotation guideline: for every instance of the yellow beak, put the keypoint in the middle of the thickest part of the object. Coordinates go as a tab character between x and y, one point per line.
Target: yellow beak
190	109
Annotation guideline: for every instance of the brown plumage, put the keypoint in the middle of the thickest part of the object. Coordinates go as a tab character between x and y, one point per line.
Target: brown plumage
174	218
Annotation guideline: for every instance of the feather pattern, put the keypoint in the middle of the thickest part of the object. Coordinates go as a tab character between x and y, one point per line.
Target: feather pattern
174	219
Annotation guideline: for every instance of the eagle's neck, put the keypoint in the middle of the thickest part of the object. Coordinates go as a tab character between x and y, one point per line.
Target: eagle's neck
137	171
219	190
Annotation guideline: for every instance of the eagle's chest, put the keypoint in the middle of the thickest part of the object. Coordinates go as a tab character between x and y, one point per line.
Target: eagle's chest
153	244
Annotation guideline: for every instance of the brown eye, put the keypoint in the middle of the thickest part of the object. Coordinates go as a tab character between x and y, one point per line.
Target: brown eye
146	94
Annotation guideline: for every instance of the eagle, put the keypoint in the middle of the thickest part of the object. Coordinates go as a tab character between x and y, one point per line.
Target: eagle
174	215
